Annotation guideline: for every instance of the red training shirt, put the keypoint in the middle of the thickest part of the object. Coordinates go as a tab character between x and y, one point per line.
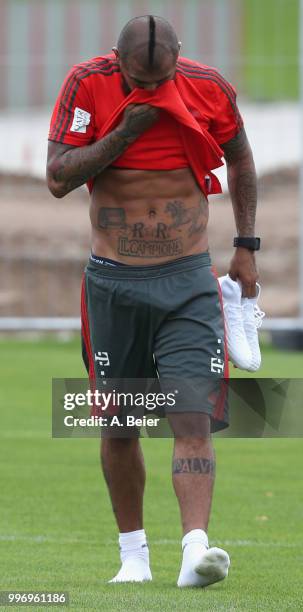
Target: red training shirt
92	92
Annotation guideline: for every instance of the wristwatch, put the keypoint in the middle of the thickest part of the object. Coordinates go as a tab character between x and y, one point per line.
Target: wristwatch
253	244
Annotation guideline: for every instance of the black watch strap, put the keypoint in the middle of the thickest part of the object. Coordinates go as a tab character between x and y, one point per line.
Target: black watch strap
253	244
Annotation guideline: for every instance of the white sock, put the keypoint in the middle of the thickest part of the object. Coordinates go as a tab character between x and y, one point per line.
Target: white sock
134	544
194	544
195	536
134	554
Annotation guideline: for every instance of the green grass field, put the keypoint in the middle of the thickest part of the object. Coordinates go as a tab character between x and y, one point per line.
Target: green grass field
57	530
271	49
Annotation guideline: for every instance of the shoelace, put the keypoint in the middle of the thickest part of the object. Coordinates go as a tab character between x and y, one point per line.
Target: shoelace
259	316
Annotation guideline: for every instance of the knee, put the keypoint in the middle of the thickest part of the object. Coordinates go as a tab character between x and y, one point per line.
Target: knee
193	446
195	426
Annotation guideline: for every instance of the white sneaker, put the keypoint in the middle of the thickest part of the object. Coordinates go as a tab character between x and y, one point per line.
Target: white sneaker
252	320
203	567
239	350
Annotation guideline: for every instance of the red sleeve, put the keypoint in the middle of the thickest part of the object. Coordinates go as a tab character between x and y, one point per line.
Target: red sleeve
72	120
227	121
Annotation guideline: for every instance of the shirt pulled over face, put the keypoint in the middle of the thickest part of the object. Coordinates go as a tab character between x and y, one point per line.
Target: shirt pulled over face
198	112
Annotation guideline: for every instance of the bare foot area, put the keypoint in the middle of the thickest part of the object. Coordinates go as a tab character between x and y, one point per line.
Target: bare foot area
45	244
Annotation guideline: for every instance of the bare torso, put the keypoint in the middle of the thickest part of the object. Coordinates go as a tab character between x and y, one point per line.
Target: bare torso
145	217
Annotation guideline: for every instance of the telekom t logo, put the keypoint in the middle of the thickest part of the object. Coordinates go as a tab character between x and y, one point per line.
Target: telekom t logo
102	358
217	365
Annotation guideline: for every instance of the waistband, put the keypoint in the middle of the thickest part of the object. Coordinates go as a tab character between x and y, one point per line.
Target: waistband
190	262
105	261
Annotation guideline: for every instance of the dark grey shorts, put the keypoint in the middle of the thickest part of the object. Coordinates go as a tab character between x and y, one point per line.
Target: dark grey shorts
158	321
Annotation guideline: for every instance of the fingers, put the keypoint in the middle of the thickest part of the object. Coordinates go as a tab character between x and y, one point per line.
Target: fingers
232	275
233	272
243	268
249	290
137	107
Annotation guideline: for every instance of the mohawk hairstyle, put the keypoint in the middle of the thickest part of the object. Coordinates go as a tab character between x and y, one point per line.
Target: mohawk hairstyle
152	41
148	47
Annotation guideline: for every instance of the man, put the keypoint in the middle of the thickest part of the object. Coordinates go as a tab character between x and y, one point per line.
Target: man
144	128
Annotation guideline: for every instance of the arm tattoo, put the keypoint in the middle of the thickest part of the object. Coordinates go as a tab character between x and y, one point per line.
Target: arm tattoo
244	197
194	465
69	167
242	183
236	147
